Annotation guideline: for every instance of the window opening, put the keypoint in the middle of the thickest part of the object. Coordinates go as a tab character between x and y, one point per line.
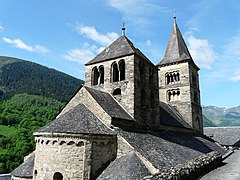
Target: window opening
57	176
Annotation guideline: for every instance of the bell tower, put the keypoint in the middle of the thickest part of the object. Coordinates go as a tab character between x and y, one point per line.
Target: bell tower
179	82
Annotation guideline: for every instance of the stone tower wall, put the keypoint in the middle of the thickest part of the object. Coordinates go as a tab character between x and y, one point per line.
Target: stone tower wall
187	102
146	92
126	99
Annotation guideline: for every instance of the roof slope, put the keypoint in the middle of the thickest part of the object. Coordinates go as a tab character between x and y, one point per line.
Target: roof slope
171	117
168	149
109	104
79	120
25	170
229	136
126	167
121	47
5	176
177	49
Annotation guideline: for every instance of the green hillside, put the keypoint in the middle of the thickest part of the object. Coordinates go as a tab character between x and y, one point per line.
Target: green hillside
20	116
222	117
20	76
31	96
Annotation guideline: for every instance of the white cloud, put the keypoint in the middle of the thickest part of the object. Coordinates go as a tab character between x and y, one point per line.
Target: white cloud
139	12
91	33
18	43
236	76
1	28
201	51
233	47
82	55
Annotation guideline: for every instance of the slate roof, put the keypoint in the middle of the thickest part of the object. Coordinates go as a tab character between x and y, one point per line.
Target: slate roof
171	117
79	120
109	104
5	176
229	136
25	170
177	50
168	149
119	48
126	167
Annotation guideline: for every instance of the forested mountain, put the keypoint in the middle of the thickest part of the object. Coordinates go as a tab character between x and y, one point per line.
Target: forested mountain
31	95
20	116
20	76
222	116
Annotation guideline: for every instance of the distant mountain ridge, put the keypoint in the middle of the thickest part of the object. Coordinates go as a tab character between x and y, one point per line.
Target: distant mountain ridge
21	76
222	116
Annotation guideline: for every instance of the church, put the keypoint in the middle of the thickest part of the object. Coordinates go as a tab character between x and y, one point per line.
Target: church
131	120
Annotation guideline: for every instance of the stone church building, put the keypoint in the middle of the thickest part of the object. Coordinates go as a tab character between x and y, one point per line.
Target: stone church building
131	120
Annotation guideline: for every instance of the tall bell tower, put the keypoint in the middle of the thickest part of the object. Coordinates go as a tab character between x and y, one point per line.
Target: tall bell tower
179	82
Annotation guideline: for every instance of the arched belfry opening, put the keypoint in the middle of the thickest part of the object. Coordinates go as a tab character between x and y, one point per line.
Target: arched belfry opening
101	72
121	65
115	72
57	176
95	76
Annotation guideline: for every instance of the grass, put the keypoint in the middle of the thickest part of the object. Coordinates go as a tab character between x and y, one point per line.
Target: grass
6	130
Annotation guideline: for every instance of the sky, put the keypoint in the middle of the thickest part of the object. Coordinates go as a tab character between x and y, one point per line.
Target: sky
64	35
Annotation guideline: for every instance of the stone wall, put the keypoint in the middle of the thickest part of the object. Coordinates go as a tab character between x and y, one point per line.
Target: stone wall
83	96
186	89
190	170
126	99
73	157
146	92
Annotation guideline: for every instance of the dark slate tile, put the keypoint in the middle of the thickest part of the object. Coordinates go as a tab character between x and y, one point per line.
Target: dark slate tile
128	167
171	117
109	104
121	47
229	136
168	149
79	120
25	170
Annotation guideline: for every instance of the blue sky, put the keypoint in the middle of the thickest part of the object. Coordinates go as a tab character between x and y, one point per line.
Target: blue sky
66	34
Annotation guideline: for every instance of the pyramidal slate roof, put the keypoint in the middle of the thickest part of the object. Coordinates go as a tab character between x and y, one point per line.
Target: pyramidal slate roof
177	49
171	117
128	167
25	170
109	104
78	120
121	47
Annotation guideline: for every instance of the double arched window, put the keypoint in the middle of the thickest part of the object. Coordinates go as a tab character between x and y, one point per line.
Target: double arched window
118	71
97	75
173	95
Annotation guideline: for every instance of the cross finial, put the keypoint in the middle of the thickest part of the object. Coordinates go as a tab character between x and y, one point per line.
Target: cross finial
123	28
174	14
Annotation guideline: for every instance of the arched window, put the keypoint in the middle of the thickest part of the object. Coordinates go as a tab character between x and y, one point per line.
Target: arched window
101	71
57	176
122	69
173	95
95	76
115	72
172	77
117	91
